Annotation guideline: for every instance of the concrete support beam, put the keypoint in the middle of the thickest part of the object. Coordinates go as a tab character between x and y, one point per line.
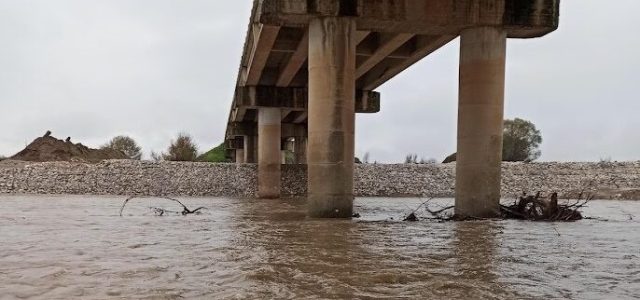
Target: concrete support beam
360	36
388	44
295	62
302	116
269	153
332	66
239	113
425	45
234	143
264	37
480	121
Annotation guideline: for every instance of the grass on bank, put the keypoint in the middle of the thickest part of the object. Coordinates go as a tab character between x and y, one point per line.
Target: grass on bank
215	155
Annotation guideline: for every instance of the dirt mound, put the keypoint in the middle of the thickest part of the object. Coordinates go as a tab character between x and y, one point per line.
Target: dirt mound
48	148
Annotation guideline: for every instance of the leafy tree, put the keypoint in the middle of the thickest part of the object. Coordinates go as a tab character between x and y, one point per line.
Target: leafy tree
2	157
521	141
182	149
126	145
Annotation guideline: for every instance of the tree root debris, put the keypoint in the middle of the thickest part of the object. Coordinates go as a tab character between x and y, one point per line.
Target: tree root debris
161	211
526	207
539	208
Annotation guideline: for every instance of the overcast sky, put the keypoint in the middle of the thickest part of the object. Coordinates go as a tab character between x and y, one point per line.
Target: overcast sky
94	69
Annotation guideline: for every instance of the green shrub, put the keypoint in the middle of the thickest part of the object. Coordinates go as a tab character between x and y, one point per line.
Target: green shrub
126	145
181	149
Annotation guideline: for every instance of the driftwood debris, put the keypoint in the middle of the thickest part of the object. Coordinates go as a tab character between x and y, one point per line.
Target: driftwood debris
539	208
526	207
412	217
161	211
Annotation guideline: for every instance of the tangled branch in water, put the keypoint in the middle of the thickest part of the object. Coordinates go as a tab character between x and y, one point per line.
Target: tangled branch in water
161	211
531	208
539	208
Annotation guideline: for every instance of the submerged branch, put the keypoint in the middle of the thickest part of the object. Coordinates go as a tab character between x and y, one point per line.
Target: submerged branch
161	211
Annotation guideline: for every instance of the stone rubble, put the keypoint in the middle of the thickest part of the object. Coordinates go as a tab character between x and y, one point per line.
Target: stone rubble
126	177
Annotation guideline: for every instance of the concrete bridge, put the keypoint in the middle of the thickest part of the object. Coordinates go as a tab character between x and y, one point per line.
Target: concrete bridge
310	65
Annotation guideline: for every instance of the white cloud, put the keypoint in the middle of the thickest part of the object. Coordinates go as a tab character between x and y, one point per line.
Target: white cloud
92	69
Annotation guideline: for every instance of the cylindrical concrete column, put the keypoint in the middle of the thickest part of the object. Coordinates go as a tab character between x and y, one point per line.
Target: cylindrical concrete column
332	63
480	121
300	150
250	152
283	157
269	132
240	156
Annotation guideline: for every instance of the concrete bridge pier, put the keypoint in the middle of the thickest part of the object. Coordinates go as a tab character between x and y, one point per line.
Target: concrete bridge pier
300	150
480	121
249	149
330	159
240	157
269	159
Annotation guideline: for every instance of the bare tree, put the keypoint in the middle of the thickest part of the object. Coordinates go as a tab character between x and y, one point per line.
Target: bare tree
365	158
411	159
155	156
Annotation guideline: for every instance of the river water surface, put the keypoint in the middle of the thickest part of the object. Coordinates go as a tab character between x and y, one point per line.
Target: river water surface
63	247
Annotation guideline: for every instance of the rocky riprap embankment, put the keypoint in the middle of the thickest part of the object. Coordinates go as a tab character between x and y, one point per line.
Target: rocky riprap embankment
126	177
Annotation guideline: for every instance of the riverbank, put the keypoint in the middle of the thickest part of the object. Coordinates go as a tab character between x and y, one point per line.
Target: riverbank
124	177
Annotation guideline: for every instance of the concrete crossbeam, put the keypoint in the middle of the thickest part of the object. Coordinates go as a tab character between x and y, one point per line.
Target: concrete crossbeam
242	129
296	62
387	45
519	18
380	74
296	99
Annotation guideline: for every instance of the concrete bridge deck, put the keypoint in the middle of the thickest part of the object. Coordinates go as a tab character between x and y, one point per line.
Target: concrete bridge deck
309	65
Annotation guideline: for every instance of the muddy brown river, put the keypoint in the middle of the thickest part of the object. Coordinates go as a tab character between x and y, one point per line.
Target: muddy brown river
77	247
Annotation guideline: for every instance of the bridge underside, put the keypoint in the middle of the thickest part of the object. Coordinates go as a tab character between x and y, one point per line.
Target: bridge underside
310	65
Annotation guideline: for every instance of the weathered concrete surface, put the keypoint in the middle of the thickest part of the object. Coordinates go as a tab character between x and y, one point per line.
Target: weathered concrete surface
332	66
480	119
611	180
250	149
269	160
391	36
300	150
521	18
296	99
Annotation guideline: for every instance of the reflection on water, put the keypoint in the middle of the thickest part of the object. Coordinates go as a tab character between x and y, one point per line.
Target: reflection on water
77	247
